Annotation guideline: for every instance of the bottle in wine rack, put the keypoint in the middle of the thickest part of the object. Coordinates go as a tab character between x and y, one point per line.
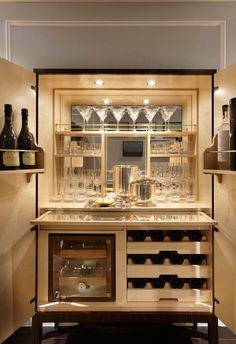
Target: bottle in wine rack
26	143
157	235
158	258
176	258
138	235
196	283
138	258
194	235
9	156
175	235
158	282
176	282
139	282
196	259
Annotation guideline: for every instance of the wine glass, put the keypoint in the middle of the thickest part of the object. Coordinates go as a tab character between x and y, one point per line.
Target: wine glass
102	113
118	112
150	112
133	113
86	112
167	111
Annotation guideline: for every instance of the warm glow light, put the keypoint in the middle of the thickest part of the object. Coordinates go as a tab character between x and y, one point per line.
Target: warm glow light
107	101
219	92
146	101
151	83
99	82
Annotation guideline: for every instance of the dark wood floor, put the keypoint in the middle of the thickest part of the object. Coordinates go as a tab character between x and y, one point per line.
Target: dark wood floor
23	336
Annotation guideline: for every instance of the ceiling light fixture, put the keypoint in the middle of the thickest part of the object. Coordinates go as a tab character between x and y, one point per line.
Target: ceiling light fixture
99	82
107	101
151	82
146	101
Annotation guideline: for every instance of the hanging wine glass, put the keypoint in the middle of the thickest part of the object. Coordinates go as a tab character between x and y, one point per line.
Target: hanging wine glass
133	113
101	112
86	112
167	111
118	112
150	112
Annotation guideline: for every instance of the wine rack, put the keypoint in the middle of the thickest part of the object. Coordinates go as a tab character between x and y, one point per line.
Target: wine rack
169	265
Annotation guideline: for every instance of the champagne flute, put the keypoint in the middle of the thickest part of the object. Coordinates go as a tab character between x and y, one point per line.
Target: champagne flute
133	113
118	112
167	111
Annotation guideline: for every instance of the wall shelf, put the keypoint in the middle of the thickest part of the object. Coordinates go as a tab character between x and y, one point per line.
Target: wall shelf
27	172
219	173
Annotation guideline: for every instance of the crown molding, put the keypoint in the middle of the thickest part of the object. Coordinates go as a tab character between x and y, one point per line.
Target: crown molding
9	24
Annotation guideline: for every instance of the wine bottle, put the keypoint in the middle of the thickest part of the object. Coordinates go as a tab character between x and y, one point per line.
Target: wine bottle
176	282
176	258
232	109
195	235
9	156
139	282
26	142
138	235
223	142
196	259
176	235
196	283
157	235
157	258
138	258
158	282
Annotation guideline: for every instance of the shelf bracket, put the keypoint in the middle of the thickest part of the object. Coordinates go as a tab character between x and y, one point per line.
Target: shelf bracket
219	178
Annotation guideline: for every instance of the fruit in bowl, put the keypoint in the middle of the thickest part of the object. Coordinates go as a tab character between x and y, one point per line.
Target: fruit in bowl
104	202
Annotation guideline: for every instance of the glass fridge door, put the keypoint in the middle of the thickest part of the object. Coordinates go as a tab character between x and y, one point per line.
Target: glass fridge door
81	267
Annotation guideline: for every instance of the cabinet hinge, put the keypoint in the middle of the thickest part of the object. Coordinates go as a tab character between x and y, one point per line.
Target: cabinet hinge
33	300
215	229
216	300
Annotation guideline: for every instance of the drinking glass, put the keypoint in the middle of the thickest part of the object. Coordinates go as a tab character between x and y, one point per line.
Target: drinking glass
167	111
118	112
86	112
102	113
150	112
133	113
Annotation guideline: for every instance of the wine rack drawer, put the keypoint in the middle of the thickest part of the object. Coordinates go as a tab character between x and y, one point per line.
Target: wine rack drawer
194	271
155	247
182	295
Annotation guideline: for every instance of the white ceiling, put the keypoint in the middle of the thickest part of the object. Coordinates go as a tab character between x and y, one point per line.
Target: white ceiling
117	1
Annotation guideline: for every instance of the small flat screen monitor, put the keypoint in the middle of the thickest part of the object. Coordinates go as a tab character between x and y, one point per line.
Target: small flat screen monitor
132	148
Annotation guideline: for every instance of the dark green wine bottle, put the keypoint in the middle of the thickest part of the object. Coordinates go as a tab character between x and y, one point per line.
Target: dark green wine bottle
26	143
9	156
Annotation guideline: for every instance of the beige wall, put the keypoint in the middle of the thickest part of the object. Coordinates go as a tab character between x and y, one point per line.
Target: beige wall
165	35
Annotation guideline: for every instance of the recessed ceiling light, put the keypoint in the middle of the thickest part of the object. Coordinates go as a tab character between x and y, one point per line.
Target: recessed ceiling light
146	101
107	101
151	82
99	82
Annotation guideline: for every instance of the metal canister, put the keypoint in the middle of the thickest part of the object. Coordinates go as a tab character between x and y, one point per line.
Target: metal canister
123	176
143	189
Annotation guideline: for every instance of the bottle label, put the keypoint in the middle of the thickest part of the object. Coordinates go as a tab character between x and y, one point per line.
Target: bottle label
223	145
11	159
28	158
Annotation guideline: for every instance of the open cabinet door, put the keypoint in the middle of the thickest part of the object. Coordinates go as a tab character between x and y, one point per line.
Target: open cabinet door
225	214
17	208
